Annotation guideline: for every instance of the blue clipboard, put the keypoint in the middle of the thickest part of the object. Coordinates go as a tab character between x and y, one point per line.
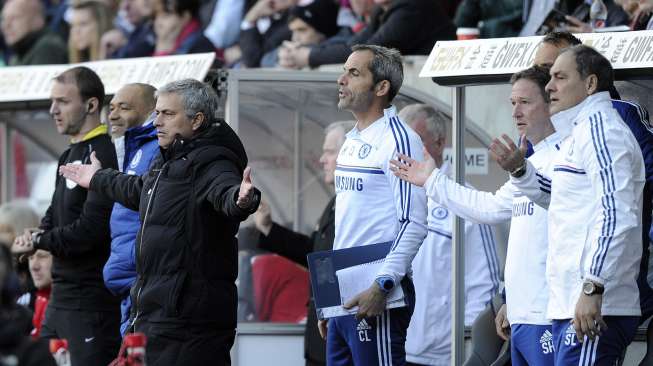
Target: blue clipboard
324	264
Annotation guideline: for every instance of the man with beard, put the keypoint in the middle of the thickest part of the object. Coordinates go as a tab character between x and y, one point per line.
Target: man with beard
373	206
75	228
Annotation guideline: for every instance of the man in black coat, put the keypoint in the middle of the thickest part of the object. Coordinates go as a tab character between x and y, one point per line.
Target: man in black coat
75	228
295	246
191	203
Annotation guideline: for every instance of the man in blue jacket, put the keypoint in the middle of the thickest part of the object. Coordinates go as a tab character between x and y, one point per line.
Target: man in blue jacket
130	115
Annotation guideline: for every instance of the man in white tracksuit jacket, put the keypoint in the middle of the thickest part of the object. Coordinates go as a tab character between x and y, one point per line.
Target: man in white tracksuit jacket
594	199
428	341
526	288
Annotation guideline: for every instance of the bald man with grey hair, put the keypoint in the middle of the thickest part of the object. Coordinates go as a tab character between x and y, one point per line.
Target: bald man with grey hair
295	246
429	343
431	126
134	135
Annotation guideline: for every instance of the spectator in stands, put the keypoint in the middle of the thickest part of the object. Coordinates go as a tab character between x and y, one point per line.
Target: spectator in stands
428	341
579	19
191	201
177	28
137	43
40	267
493	18
75	229
15	217
296	246
638	14
136	145
410	26
263	29
224	28
24	31
310	25
281	289
602	314
89	20
16	348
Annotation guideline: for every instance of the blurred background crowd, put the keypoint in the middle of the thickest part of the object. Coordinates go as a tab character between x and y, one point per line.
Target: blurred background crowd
292	34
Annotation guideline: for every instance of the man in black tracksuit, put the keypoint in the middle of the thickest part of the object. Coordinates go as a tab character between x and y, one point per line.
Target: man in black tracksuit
191	203
75	229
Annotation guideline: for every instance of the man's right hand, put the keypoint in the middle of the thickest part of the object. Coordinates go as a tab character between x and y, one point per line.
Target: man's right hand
322	326
263	218
411	170
81	173
501	323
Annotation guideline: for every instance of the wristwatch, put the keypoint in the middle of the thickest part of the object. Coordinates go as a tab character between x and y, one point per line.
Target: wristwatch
386	284
521	170
36	238
591	288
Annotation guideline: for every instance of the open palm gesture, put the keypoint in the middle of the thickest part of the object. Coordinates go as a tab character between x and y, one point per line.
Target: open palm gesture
81	173
411	170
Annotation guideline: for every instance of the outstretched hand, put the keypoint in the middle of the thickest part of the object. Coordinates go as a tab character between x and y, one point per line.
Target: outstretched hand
81	173
508	155
246	193
411	170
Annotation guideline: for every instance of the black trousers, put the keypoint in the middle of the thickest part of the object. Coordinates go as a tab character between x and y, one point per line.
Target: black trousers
188	346
93	336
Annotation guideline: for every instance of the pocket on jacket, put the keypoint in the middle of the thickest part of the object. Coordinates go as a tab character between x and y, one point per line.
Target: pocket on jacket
173	305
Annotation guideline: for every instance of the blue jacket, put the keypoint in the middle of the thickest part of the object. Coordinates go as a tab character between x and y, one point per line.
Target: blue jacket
636	117
141	146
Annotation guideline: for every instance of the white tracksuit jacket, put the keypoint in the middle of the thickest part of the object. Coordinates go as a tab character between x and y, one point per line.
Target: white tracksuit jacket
372	205
524	275
428	341
595	208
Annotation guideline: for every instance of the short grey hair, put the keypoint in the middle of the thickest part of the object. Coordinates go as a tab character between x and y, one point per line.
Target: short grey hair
196	97
344	126
436	121
18	215
385	65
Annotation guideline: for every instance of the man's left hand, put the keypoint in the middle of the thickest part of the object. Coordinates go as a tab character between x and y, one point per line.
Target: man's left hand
370	302
246	193
587	317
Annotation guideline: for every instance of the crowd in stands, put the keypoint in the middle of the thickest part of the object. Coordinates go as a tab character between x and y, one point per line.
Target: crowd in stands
291	34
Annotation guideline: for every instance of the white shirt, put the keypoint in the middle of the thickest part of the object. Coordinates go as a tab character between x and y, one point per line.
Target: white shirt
595	209
372	205
524	275
429	335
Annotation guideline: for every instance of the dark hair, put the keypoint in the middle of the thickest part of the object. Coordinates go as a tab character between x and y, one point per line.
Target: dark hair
385	65
181	6
87	81
590	62
538	75
560	39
